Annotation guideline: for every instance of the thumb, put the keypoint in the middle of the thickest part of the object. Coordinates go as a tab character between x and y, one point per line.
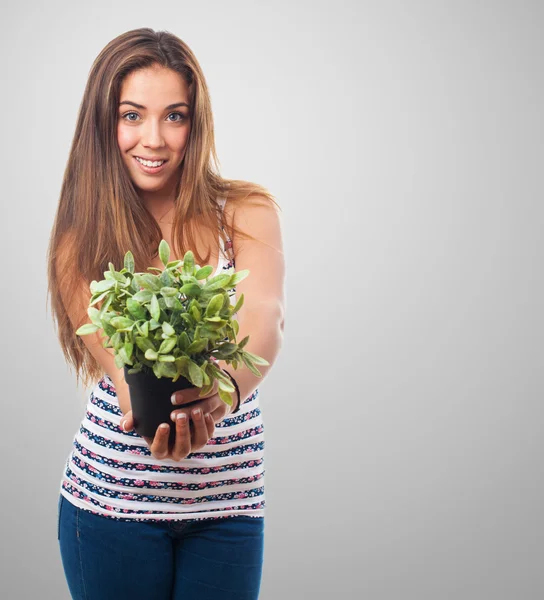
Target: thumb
127	422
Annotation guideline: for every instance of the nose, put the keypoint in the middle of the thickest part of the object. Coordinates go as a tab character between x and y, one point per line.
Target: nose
151	135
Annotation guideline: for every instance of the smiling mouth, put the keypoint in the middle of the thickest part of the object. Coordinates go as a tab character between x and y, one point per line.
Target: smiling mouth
150	170
161	160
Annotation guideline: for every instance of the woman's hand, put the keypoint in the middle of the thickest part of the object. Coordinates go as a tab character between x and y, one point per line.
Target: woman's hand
211	404
188	440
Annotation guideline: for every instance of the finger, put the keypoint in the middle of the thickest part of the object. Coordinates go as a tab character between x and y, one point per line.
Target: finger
210	424
127	422
159	447
182	445
185	396
200	438
220	413
206	405
174	414
217	415
192	394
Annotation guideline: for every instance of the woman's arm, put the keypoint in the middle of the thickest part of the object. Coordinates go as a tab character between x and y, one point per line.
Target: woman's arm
262	315
76	301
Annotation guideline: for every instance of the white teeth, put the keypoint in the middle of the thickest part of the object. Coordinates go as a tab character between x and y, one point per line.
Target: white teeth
148	163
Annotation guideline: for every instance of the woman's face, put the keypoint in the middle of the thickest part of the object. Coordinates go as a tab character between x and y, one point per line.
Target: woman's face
153	123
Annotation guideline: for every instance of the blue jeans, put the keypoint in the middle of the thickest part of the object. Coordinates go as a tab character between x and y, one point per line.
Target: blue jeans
105	559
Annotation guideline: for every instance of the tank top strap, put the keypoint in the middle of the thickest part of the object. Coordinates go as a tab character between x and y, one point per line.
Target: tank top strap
226	246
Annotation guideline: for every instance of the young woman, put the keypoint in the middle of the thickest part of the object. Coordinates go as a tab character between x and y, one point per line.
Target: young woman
135	518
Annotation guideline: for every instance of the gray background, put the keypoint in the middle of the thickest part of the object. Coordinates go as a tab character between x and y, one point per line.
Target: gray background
403	417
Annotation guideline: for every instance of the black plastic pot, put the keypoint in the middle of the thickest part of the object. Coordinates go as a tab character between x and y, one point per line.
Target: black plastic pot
151	403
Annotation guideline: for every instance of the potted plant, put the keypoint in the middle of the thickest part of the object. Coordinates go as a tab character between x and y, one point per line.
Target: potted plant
167	331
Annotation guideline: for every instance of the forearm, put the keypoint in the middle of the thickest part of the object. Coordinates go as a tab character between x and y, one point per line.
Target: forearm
265	329
122	391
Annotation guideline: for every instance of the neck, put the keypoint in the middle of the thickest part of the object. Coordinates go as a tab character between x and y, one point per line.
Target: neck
159	204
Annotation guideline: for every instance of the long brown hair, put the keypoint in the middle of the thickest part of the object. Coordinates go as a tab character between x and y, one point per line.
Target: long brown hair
100	214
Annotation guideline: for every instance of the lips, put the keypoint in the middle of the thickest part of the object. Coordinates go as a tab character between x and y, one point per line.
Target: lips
150	170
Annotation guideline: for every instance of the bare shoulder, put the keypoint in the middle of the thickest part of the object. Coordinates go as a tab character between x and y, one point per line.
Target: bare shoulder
259	217
263	256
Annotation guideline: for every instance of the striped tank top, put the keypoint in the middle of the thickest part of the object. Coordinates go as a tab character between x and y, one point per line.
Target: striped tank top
113	474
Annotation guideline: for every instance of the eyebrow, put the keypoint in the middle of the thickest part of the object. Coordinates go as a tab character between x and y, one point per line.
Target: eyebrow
141	107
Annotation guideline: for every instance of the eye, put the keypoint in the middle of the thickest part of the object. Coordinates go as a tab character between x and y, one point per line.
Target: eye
129	113
182	117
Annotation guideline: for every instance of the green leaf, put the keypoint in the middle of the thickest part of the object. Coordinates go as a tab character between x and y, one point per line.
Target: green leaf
195	374
215	320
184	341
168	329
258	360
87	328
168	369
204	272
166	279
198	346
153	324
143	296
151	354
129	262
243	342
109	330
182	363
166	358
99	298
136	309
173	304
106	305
119	277
102	286
174	264
251	366
191	289
167	291
151	282
228	387
219	281
164	252
123	354
144	343
122	323
188	263
154	308
195	312
215	305
168	345
207	382
238	304
94	315
225	396
219	375
215	323
239	276
225	349
116	340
